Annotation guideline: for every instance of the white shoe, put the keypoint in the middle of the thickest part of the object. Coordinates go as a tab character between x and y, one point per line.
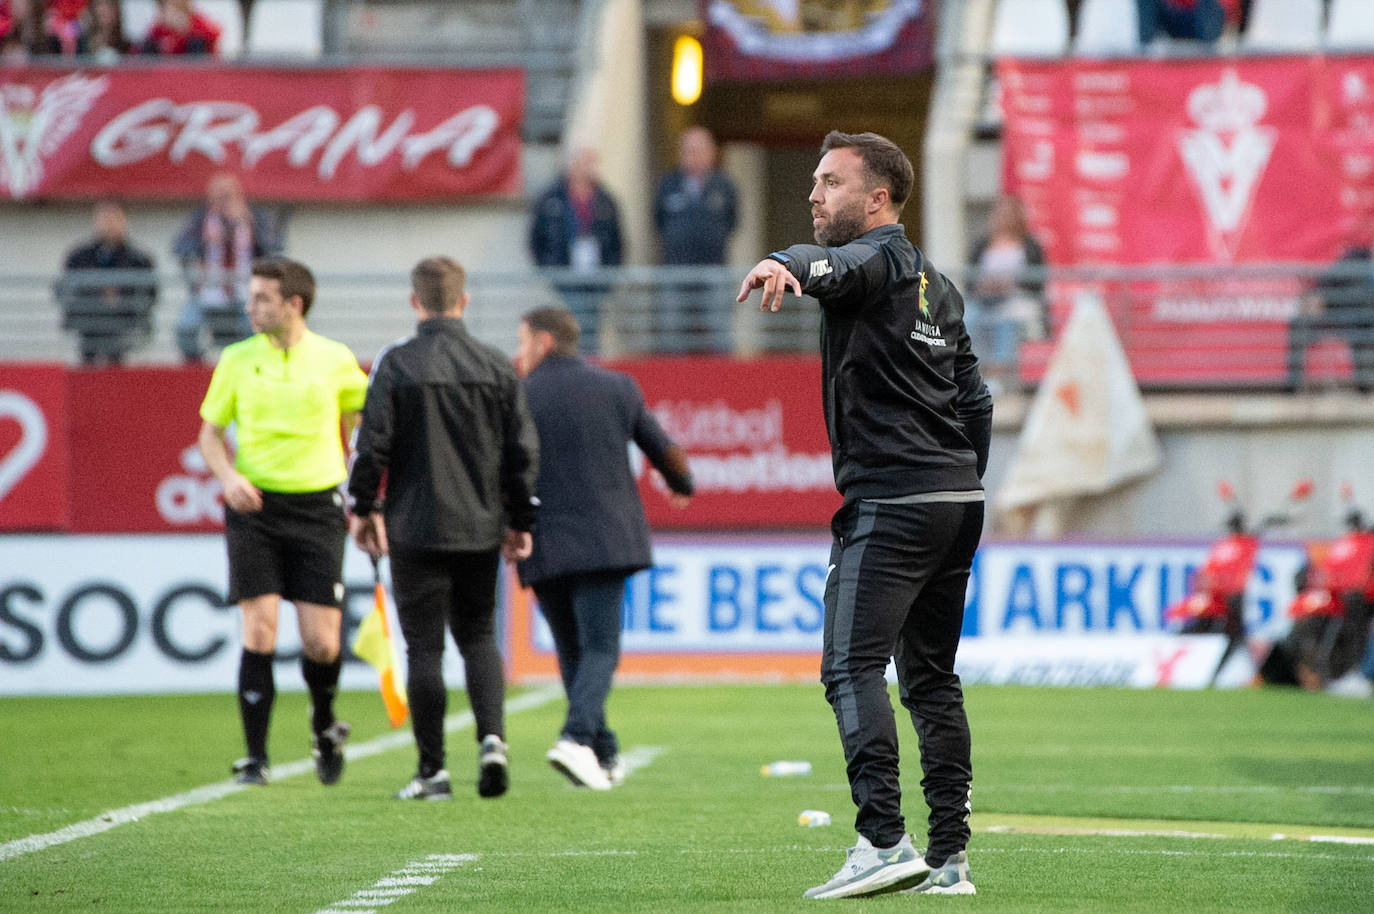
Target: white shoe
951	879
578	764
870	870
615	771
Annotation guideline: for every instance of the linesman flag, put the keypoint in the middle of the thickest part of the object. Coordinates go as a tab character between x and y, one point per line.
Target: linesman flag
373	643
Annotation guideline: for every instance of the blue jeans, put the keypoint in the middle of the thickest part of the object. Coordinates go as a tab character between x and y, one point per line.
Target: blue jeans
583	612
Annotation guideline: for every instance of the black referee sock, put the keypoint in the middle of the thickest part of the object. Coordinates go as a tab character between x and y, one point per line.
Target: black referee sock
322	679
257	691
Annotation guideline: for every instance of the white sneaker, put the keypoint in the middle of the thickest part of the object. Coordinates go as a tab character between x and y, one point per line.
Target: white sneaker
951	879
870	870
578	764
615	771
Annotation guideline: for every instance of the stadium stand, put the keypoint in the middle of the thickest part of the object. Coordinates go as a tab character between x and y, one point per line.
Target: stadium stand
1284	25
228	15
1030	28
292	28
138	18
1350	25
1107	27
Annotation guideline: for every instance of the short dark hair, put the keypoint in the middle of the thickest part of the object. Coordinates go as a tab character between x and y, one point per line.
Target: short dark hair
559	323
885	165
292	276
438	283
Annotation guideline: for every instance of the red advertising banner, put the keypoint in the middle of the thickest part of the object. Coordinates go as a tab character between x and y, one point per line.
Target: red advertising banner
754	436
135	463
316	134
34	473
114	451
798	39
1210	163
1216	160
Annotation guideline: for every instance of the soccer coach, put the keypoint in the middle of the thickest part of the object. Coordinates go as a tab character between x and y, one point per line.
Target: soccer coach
292	396
909	420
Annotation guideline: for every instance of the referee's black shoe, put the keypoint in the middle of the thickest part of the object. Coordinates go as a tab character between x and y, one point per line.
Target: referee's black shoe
251	770
327	748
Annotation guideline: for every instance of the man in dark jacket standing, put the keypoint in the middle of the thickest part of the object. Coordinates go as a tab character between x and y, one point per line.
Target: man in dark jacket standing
909	420
110	317
446	421
592	533
576	229
695	213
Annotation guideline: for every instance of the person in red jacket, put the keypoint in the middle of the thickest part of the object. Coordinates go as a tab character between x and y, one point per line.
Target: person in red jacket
179	29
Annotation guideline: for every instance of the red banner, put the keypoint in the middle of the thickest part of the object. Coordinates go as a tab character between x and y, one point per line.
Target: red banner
114	451
1192	161
1203	162
794	39
318	134
33	448
754	435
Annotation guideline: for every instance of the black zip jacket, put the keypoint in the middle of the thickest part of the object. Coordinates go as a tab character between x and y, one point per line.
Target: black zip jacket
905	407
446	421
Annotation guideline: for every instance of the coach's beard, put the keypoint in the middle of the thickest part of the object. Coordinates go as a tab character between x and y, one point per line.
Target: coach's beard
840	229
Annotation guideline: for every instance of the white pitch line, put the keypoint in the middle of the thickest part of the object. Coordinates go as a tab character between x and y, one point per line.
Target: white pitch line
384	891
210	792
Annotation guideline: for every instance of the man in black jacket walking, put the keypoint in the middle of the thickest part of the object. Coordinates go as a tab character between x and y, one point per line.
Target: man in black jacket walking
592	533
909	421
446	421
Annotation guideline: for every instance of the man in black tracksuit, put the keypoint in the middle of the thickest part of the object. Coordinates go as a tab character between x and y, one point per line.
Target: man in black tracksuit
446	422
909	421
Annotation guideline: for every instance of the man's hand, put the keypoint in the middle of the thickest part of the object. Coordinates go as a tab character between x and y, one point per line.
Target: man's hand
242	495
517	545
774	278
679	501
369	532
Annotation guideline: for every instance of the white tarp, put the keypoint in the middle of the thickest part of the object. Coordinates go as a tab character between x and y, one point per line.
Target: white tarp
1087	431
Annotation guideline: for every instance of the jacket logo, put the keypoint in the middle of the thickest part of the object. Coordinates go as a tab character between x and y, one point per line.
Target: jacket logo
819	268
925	305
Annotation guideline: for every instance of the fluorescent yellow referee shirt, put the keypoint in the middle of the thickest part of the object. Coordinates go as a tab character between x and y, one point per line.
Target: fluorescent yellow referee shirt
286	406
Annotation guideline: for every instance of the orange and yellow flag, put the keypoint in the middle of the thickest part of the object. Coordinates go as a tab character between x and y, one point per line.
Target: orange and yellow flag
373	643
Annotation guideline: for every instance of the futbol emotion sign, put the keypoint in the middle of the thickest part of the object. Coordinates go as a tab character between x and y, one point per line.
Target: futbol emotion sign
319	134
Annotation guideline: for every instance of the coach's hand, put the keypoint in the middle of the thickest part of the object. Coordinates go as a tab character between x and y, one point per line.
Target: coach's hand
369	532
774	278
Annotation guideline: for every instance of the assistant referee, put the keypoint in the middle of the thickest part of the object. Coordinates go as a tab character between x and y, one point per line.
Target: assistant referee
293	397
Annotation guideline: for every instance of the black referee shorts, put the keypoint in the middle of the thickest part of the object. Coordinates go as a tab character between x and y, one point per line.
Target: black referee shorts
293	547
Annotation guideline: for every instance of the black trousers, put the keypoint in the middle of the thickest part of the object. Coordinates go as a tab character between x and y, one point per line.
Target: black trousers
896	590
455	590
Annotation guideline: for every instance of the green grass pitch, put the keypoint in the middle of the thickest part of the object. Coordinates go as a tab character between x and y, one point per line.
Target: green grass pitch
1084	800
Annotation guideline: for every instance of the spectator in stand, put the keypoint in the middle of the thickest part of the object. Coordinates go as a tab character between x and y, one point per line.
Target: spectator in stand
109	319
78	27
1005	305
179	29
216	247
1340	304
577	227
694	212
21	30
1196	20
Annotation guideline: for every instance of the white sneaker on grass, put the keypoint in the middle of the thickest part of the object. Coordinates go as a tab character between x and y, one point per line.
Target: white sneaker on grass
435	787
870	870
578	764
953	878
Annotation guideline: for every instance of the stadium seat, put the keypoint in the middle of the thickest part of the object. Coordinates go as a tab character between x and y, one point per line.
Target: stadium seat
1030	28
1350	25
286	28
228	15
1108	27
138	16
1284	25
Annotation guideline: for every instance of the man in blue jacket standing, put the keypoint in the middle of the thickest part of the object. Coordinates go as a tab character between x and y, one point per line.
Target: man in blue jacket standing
591	533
